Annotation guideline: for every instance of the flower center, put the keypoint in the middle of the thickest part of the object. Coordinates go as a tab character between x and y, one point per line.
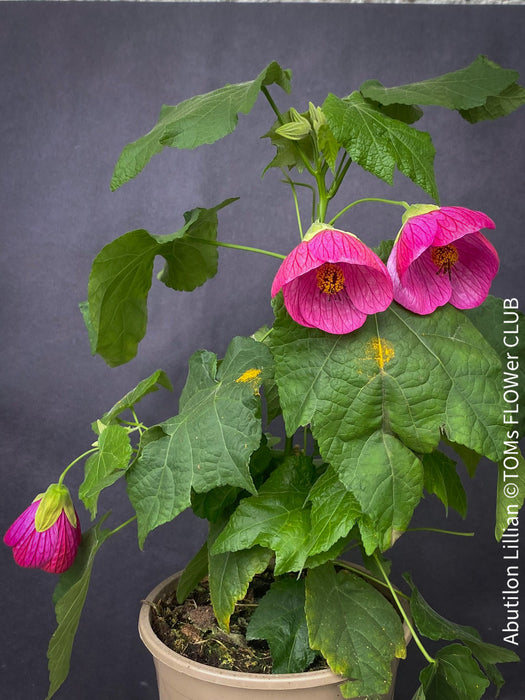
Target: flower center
444	258
330	278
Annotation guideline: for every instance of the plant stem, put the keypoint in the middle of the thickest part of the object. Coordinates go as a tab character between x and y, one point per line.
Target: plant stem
85	454
220	244
368	199
403	612
113	532
290	182
365	574
444	532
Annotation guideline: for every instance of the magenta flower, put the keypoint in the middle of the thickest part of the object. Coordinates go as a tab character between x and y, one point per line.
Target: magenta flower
332	281
47	534
440	256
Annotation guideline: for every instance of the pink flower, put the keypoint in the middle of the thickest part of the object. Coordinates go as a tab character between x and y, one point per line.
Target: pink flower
332	281
440	256
47	534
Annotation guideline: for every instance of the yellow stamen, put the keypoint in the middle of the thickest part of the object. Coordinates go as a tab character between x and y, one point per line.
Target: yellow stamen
444	258
330	278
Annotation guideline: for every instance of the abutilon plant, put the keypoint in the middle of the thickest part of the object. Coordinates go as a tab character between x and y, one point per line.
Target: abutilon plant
367	392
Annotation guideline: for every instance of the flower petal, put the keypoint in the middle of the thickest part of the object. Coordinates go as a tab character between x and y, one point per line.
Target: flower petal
420	290
22	526
474	271
416	236
455	222
370	290
67	542
308	306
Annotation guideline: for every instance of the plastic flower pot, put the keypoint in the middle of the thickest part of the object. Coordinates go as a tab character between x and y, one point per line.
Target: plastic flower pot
180	678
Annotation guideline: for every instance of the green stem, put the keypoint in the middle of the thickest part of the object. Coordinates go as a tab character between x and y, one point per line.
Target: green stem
85	454
365	574
339	176
368	199
290	182
403	613
220	244
122	525
437	529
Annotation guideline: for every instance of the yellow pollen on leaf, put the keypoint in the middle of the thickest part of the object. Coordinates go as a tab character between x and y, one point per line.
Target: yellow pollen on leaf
379	350
444	258
330	278
251	376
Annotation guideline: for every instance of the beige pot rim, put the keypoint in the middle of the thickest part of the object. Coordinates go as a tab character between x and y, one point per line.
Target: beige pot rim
218	675
237	679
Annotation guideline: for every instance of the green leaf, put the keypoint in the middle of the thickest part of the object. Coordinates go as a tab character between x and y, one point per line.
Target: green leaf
194	571
106	466
209	443
454	676
84	310
221	502
462	89
69	597
230	574
497	106
199	120
276	517
434	626
190	259
441	479
280	619
328	145
502	326
334	511
154	382
470	458
121	273
376	396
379	143
118	289
355	628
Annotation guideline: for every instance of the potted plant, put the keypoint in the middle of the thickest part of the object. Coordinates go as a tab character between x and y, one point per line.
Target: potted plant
380	364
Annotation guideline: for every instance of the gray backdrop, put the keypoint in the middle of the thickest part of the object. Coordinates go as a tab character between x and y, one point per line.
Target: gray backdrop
79	81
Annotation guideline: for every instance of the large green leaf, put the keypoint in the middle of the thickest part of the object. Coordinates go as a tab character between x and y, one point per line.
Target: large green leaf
379	143
276	517
106	465
355	628
462	89
334	512
229	576
502	325
454	675
442	479
434	626
121	274
280	619
378	395
497	106
210	442
70	595
196	121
